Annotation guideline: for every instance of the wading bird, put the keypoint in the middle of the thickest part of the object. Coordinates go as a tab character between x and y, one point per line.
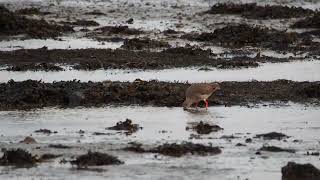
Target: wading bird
199	92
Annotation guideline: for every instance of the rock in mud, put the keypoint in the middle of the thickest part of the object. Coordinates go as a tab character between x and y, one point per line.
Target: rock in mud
14	24
309	22
295	171
246	35
28	140
140	44
125	126
254	11
96	159
17	157
276	149
272	135
35	67
204	128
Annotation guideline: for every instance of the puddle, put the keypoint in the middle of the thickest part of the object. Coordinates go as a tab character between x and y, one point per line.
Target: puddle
294	120
296	71
66	43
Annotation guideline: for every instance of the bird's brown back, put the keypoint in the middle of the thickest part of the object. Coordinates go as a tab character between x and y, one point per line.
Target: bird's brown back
196	90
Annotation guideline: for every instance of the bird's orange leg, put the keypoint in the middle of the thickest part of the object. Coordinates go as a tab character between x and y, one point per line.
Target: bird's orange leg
206	104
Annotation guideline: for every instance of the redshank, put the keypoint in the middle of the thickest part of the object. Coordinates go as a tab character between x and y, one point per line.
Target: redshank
199	92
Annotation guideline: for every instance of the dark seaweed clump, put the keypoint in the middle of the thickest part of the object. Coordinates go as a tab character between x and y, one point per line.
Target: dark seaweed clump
205	128
276	149
140	44
295	171
17	157
127	125
272	135
254	11
14	24
246	35
96	159
309	22
177	150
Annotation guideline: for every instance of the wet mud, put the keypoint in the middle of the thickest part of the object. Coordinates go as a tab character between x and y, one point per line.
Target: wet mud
96	159
45	131
295	171
17	157
177	150
15	24
92	59
254	11
35	94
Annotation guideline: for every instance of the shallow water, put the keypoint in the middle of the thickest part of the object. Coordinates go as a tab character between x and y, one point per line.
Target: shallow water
65	43
300	122
296	71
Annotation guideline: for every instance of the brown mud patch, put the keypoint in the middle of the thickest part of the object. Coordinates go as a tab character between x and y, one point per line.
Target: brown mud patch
49	156
14	24
276	149
35	94
92	59
17	157
295	171
246	35
272	135
204	128
254	11
109	33
177	150
28	140
96	159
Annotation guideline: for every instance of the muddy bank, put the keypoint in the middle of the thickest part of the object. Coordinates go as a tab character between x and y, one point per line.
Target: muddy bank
177	150
15	24
34	94
254	11
92	59
247	35
295	171
309	22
